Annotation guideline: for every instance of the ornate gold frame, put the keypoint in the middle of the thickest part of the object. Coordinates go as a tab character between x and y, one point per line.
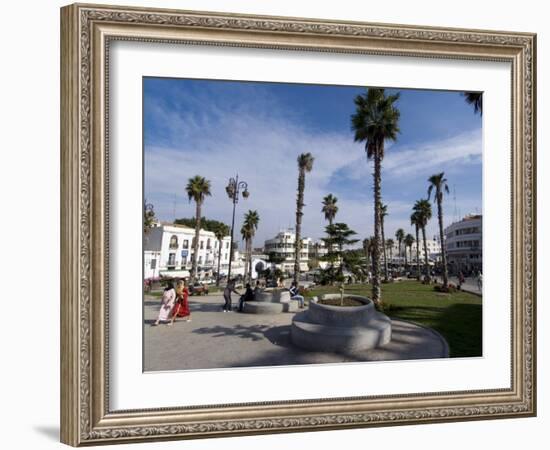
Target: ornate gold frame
86	31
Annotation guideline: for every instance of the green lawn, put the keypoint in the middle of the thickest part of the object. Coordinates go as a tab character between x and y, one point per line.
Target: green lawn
456	316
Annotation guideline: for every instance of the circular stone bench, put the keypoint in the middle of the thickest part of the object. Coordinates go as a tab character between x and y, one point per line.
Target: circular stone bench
330	328
271	301
255	307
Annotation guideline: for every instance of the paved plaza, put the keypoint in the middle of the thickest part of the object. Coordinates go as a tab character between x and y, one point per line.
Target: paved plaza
214	339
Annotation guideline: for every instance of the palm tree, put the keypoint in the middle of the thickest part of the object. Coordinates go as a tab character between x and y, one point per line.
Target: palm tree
415	222
305	164
375	121
248	230
399	235
409	241
389	246
198	188
384	213
439	183
424	210
329	207
476	100
220	232
366	250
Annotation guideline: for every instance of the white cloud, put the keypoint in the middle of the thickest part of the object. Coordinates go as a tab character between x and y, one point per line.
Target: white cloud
262	146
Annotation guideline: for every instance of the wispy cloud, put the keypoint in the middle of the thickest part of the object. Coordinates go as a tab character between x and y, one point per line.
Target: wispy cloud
261	145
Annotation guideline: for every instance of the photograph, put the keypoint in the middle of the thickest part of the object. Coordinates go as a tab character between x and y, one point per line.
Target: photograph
294	224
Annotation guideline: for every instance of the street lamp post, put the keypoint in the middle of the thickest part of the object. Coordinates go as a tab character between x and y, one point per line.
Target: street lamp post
233	189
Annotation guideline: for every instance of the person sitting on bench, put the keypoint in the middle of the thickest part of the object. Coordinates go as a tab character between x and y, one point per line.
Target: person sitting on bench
295	294
248	296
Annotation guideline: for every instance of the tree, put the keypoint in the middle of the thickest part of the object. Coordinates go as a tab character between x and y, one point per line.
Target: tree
220	232
329	207
148	216
383	214
248	230
305	164
206	224
198	188
424	210
399	235
438	182
389	246
375	121
476	100
415	221
409	241
367	247
339	235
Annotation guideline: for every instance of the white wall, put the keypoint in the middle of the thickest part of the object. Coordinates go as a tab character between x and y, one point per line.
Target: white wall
29	175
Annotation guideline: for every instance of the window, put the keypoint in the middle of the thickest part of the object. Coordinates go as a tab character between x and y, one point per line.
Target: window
153	264
208	246
172	259
227	245
186	243
201	244
200	259
174	241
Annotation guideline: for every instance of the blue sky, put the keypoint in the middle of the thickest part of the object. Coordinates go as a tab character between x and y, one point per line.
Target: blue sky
220	128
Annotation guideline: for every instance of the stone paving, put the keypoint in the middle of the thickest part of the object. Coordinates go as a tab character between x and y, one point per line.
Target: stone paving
214	339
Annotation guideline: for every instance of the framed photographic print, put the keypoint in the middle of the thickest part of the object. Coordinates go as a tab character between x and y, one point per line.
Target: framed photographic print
277	224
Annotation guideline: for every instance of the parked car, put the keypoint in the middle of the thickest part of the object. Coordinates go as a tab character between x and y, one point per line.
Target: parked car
198	289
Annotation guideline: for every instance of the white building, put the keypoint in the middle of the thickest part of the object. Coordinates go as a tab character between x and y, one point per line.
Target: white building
168	251
464	244
283	245
432	245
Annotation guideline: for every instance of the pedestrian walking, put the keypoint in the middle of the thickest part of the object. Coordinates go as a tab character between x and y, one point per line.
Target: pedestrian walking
229	288
166	303
181	308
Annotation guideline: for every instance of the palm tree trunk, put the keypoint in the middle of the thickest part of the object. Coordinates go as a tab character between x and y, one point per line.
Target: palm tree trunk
299	214
250	260
376	291
443	255
427	278
219	259
417	253
384	249
196	246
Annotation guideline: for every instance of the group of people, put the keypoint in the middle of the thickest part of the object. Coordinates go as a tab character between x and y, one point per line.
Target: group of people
175	300
249	294
174	303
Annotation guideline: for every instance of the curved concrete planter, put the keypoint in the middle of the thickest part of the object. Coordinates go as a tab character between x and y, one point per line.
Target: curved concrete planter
271	301
340	329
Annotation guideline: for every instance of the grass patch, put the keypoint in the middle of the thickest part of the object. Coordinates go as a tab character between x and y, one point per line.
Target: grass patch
457	316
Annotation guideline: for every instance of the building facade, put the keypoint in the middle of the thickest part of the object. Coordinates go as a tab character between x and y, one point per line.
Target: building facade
464	244
168	251
432	245
283	245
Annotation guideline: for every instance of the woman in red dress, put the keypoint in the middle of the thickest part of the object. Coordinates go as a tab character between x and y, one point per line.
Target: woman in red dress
181	307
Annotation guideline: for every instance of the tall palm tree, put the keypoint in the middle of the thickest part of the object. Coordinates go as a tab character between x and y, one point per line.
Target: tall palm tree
439	183
399	235
389	246
305	164
366	250
424	210
409	241
415	222
248	230
476	100
329	207
198	188
220	232
375	121
384	213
